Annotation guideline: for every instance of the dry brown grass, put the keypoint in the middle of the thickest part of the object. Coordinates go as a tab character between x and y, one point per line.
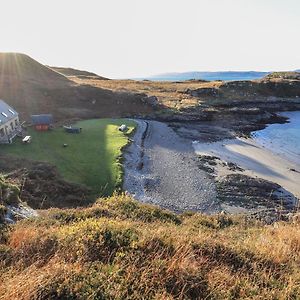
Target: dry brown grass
174	95
169	94
111	251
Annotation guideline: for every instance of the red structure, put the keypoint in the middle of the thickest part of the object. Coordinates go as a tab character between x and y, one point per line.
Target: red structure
42	122
42	127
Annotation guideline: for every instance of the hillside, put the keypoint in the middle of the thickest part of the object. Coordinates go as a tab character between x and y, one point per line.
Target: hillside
16	67
119	249
283	75
198	93
33	88
278	84
70	72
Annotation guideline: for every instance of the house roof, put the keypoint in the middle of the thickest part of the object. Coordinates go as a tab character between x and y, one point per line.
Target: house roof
6	112
44	119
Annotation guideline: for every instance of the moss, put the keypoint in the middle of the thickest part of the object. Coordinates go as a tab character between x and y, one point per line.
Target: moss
219	221
126	208
9	192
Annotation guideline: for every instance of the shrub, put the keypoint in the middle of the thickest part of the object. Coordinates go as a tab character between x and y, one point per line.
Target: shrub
125	208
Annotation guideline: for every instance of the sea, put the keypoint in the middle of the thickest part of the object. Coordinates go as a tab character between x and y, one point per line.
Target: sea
211	76
282	139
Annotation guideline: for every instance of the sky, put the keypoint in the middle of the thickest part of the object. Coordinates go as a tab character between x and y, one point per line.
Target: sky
137	38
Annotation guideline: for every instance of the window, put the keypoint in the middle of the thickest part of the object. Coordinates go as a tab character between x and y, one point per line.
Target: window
4	114
11	111
16	122
2	132
12	125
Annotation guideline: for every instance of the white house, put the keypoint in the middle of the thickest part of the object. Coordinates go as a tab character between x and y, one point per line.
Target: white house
9	123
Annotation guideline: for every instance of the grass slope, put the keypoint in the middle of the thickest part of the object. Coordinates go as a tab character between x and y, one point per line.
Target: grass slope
32	88
91	158
77	73
119	249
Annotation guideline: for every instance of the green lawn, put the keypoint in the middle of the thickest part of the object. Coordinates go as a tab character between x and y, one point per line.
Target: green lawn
91	158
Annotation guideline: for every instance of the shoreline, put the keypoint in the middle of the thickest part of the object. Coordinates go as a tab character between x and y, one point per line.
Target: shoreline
275	138
255	160
161	168
167	163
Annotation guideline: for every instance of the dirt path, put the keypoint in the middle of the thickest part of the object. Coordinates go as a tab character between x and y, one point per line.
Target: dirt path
161	168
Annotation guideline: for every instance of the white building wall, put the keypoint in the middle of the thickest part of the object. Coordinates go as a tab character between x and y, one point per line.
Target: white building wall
9	128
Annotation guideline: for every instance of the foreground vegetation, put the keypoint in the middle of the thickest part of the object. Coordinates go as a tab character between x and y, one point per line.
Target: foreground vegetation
119	249
92	158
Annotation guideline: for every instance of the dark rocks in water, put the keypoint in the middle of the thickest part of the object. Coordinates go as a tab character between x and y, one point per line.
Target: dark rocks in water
294	170
245	110
206	168
207	163
211	160
251	193
234	167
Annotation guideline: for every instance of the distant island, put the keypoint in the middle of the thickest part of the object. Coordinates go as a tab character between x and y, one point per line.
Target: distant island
210	76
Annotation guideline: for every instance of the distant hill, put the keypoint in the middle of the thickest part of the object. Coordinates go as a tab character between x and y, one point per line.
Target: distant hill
276	84
211	76
77	73
284	75
33	88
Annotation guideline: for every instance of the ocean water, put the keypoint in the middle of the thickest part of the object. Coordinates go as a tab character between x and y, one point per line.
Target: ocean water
227	76
282	139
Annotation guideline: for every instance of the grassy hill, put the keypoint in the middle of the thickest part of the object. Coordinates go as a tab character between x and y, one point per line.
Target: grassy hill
32	88
92	157
16	67
119	249
70	72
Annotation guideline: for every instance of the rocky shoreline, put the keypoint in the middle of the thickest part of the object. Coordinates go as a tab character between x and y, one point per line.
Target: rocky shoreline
238	116
236	192
161	168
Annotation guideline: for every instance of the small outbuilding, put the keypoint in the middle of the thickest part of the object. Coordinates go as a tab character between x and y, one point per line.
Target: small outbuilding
123	128
42	122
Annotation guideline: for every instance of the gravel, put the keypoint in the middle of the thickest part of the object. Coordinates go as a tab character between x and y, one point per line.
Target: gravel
161	168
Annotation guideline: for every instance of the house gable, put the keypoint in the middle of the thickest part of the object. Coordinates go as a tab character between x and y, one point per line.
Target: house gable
7	113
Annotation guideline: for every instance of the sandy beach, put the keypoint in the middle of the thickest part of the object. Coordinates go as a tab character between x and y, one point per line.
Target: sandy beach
256	160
